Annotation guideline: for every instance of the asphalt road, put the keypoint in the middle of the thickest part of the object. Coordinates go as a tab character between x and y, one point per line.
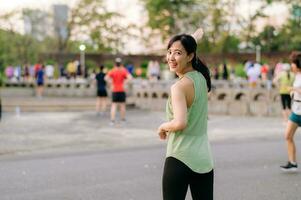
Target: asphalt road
78	156
245	170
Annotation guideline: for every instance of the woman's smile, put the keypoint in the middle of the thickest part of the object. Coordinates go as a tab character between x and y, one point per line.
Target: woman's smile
172	64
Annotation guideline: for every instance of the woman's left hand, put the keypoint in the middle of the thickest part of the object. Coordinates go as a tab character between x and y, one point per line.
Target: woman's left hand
162	132
198	34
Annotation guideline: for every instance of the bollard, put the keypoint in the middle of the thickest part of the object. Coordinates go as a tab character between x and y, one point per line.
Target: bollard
18	111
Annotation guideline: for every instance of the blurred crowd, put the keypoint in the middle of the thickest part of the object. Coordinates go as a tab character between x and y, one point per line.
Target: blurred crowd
254	72
73	70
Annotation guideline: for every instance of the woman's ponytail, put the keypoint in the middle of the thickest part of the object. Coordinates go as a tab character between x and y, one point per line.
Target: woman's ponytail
199	66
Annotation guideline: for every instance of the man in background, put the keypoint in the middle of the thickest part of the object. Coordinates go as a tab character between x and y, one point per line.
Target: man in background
118	76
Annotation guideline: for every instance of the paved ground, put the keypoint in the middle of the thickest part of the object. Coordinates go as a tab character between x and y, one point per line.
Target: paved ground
63	131
78	155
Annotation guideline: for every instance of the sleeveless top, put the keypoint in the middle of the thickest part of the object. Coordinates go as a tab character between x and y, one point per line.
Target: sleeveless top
285	83
297	84
191	145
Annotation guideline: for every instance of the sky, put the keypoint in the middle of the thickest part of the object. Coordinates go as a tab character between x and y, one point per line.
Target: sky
6	5
131	6
279	11
132	15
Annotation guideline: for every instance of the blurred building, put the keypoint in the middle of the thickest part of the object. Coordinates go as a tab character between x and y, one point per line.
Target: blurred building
37	23
60	20
41	24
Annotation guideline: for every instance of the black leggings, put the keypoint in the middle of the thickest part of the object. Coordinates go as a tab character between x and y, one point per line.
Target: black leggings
176	178
286	101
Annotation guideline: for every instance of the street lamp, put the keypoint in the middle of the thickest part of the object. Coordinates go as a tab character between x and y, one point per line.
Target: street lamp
258	53
82	49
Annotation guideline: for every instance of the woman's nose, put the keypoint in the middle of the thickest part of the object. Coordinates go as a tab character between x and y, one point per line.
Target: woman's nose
172	56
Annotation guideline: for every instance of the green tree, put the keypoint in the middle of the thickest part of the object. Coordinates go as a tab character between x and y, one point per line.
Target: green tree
92	22
173	16
267	39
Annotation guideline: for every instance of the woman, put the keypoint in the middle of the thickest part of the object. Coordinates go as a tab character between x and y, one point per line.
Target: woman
295	117
188	158
101	102
40	79
285	81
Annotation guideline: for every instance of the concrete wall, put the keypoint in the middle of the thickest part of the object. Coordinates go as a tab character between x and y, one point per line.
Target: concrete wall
226	98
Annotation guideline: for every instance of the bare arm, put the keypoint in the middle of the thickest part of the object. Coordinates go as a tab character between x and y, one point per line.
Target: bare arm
129	77
107	78
295	89
276	79
179	106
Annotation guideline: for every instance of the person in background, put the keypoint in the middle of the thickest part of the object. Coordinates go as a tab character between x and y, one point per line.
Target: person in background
62	73
9	72
264	72
117	76
101	102
40	79
36	68
295	118
216	73
71	69
153	70
18	72
277	68
225	71
49	71
270	77
253	74
130	67
285	80
26	72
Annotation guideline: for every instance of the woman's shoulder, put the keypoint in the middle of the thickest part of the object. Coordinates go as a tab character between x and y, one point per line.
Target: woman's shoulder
182	84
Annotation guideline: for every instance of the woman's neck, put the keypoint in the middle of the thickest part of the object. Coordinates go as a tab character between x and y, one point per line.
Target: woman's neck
187	69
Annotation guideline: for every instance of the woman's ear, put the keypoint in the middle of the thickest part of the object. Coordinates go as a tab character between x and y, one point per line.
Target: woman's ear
190	57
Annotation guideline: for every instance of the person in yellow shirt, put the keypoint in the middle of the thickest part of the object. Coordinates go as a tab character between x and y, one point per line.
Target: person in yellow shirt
285	80
71	69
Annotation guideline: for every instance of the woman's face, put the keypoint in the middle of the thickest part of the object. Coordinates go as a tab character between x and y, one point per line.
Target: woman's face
295	69
177	57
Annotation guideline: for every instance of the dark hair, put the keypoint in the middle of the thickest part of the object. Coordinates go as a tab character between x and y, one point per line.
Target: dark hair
296	59
101	67
190	46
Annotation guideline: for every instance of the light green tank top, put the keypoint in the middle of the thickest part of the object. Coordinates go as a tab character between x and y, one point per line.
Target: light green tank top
191	145
285	83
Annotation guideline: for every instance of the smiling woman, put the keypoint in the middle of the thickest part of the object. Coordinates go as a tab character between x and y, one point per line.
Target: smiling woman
188	158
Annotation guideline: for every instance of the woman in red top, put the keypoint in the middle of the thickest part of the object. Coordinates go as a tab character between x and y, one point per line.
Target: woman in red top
117	76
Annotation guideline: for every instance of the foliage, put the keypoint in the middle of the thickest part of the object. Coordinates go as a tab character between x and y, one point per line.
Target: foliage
144	64
91	20
90	64
109	64
17	49
50	62
2	78
172	16
239	71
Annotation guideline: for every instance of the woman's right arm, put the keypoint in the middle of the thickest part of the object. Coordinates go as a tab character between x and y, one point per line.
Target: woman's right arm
179	107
